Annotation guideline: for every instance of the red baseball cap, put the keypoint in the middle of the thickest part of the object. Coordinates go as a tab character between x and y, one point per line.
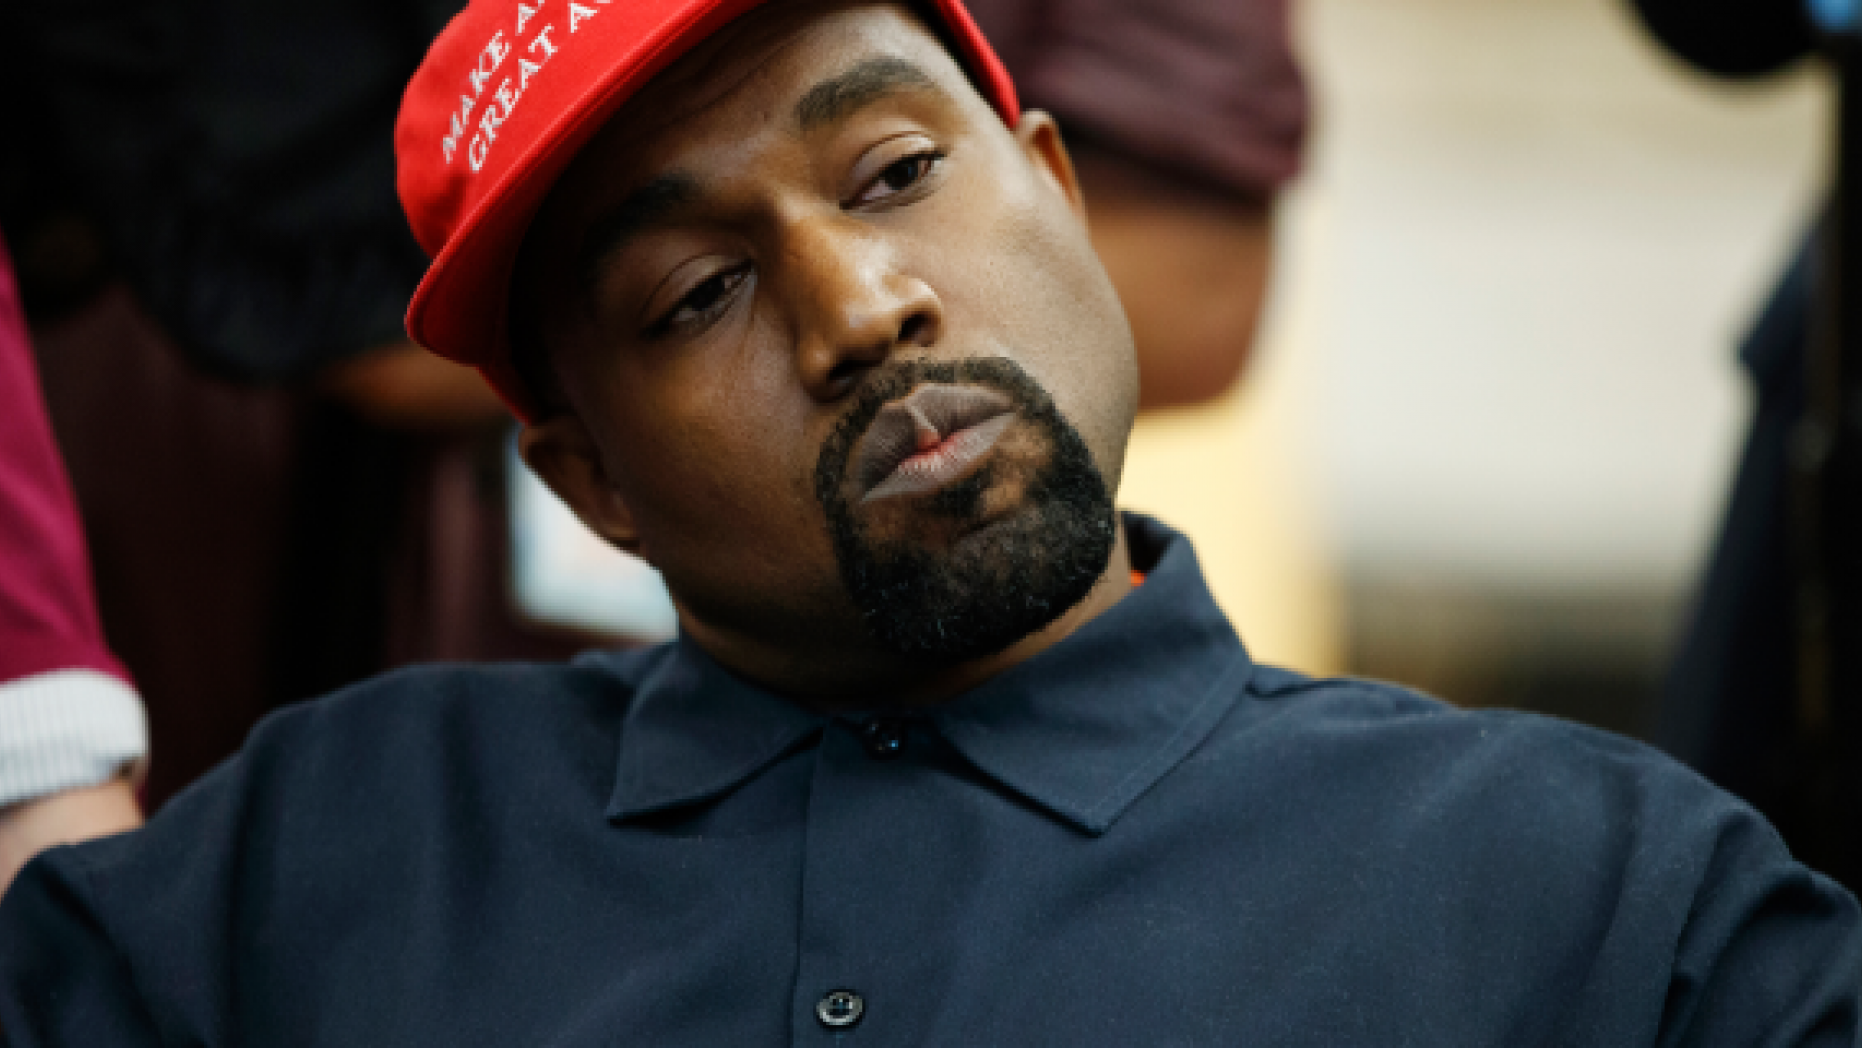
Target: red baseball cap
508	94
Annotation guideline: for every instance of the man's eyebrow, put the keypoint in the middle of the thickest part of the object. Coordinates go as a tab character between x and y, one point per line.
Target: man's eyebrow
863	84
646	206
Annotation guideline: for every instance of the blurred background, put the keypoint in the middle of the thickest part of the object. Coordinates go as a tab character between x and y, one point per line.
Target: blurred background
1496	405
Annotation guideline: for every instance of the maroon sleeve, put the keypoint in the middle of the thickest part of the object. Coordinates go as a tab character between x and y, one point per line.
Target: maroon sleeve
48	611
1204	88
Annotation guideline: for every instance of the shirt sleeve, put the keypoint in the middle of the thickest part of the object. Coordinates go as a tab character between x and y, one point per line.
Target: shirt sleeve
67	714
1716	934
67	729
1207	89
62	982
1771	953
136	938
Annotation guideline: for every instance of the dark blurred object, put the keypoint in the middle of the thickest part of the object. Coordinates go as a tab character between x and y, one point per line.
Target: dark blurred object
1827	456
1729	706
1205	89
1766	695
216	265
230	159
1737	38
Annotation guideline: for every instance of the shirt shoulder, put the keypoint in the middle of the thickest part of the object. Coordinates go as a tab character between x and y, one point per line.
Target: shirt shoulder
1629	876
589	685
394	758
426	718
1507	795
1404	719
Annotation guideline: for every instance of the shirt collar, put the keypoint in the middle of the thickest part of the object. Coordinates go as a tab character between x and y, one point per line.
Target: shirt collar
695	731
1082	729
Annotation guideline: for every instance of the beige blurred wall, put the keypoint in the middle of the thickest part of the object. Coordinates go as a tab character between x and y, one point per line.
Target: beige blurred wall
1547	239
1498	362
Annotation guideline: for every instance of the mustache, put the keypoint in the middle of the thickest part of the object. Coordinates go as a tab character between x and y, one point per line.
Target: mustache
891	381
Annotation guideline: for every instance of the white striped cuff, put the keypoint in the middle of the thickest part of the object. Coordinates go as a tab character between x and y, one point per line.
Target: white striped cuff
66	729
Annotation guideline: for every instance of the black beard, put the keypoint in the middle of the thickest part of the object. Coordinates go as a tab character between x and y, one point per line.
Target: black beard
945	606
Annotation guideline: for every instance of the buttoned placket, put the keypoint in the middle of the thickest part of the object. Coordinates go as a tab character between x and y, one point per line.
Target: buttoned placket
862	767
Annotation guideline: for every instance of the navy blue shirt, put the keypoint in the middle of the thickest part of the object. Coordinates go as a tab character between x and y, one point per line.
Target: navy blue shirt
1138	837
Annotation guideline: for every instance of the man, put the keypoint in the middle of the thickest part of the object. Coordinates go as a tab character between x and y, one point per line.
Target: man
800	306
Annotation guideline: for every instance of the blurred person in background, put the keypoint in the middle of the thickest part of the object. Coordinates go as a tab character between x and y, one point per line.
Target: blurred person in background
1185	119
281	492
72	735
1729	704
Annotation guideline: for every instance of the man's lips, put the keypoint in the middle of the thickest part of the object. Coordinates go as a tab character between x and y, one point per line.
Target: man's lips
929	438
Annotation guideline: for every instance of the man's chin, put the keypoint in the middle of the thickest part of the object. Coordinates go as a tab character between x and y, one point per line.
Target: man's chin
979	586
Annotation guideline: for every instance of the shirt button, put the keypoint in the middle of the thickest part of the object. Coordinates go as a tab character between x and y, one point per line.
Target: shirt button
884	737
840	1009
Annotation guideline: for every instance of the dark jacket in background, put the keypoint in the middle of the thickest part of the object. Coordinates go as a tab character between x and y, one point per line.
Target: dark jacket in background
1729	706
201	198
235	157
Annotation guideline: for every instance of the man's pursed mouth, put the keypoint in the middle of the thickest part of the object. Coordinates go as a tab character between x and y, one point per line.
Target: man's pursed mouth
933	436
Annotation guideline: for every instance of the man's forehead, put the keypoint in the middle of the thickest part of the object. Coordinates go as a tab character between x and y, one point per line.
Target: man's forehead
756	70
662	197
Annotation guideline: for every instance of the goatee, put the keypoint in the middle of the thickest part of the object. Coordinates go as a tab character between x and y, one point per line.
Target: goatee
1003	578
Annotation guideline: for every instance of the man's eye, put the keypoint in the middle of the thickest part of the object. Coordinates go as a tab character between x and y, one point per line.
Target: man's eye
900	175
704	301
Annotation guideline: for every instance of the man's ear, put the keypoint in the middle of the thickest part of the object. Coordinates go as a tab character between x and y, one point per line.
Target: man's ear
562	452
1039	136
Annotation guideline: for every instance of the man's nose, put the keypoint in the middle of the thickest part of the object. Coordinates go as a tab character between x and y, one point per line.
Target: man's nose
860	306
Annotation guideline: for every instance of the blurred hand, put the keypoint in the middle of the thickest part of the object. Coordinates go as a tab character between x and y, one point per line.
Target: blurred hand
402	386
1191	266
28	828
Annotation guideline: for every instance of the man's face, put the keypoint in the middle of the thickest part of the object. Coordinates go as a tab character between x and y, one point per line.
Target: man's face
837	355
